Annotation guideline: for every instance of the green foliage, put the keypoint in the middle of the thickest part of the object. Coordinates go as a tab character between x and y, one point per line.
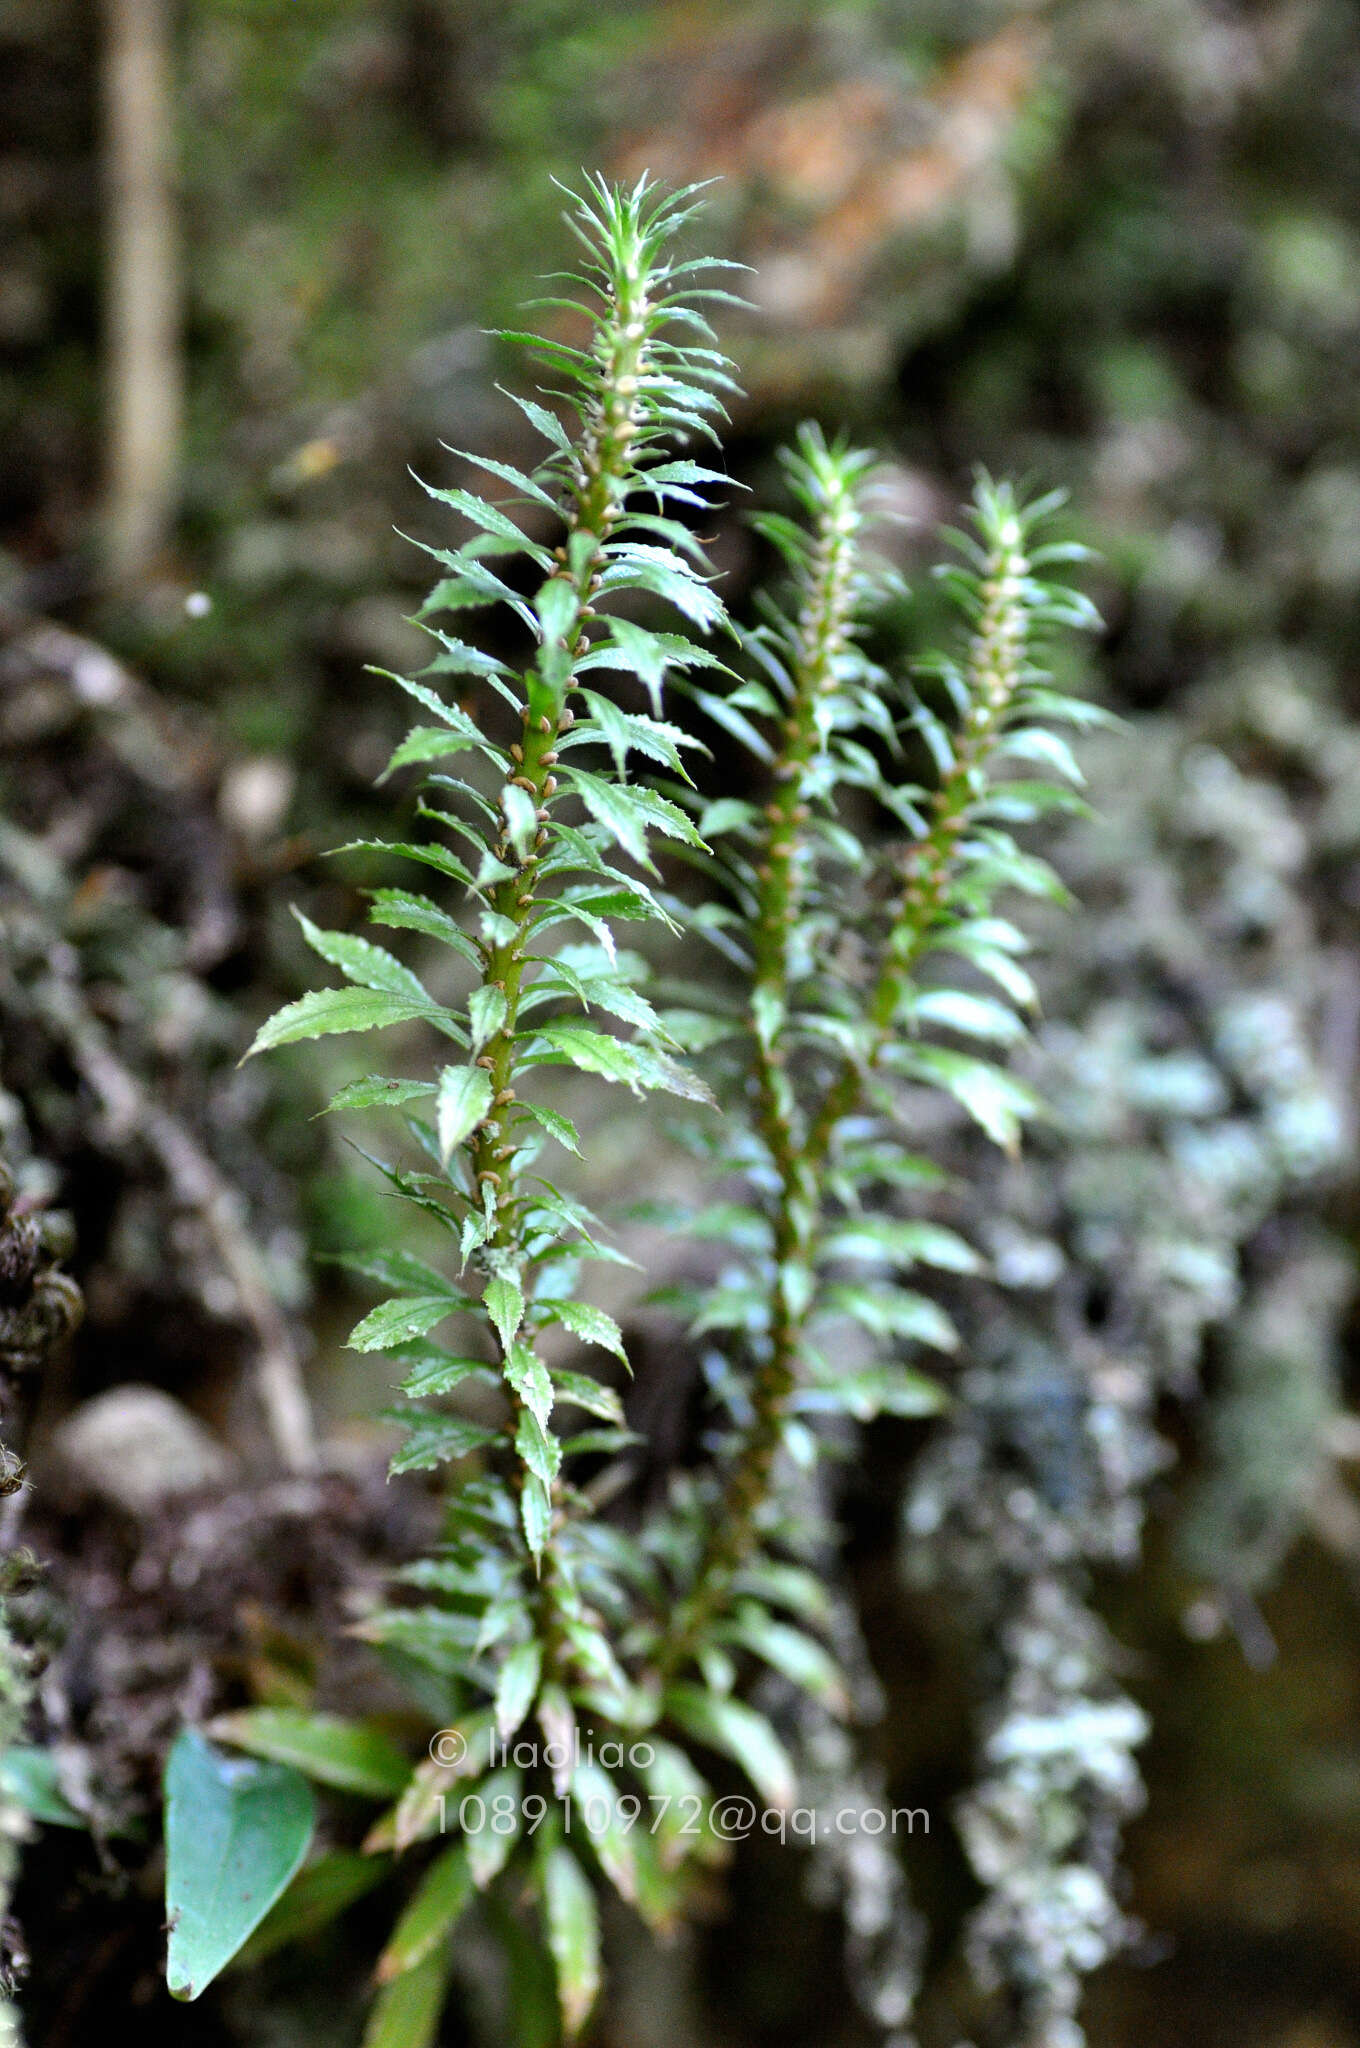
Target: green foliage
236	1833
863	959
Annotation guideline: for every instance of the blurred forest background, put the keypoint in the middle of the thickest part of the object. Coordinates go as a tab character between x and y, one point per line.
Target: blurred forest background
251	249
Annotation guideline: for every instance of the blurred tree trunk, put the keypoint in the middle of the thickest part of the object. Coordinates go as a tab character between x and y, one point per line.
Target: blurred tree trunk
142	290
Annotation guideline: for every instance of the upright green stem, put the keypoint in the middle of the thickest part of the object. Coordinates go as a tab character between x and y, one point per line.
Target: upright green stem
604	474
830	590
996	658
995	661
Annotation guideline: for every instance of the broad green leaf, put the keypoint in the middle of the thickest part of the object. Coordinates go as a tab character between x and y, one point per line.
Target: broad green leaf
894	1312
890	1240
327	1011
596	1812
521	819
786	1585
236	1833
971	1016
573	1930
464	1097
739	1732
349	1755
443	1894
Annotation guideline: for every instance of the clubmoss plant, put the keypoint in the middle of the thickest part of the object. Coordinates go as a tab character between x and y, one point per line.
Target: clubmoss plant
854	959
872	864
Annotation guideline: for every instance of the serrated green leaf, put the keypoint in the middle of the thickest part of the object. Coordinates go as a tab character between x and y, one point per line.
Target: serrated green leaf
739	1732
538	1447
573	1932
464	1097
411	1315
517	1687
618	810
436	1371
800	1658
363	963
583	1392
528	1375
376	1091
326	1011
590	1324
433	743
558	608
535	1506
404	910
591	1052
560	1127
435	1440
503	1300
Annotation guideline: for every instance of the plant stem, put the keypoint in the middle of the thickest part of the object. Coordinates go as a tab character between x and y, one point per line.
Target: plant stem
605	471
830	591
995	663
996	658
